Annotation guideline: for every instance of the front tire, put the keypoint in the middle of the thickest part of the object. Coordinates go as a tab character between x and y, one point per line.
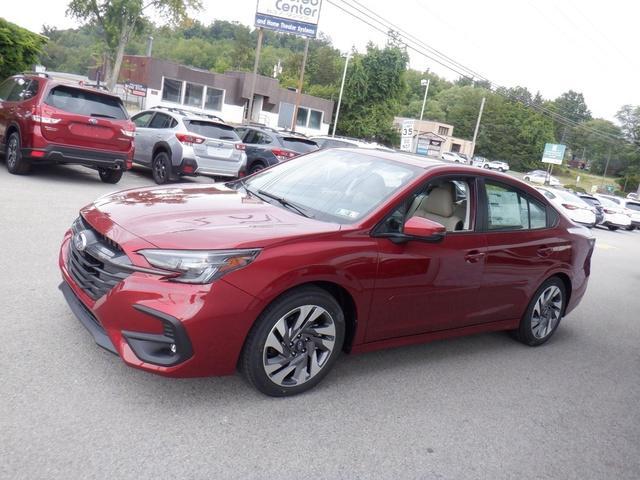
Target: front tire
294	343
16	163
543	315
612	228
161	168
485	166
109	175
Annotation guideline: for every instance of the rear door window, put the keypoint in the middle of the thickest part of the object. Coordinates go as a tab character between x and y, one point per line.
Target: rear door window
207	129
84	102
299	145
160	120
510	209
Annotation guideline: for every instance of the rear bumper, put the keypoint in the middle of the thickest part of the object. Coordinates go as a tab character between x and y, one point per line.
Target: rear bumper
79	156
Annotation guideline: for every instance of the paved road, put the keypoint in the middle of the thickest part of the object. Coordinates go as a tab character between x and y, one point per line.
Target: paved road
472	408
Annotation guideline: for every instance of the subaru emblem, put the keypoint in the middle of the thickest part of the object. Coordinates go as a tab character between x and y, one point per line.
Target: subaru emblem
93	121
80	241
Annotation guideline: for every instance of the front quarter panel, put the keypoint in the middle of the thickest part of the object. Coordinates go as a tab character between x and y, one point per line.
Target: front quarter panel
346	259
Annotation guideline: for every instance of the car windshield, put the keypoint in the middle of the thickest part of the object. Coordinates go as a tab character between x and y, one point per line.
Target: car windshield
339	186
591	201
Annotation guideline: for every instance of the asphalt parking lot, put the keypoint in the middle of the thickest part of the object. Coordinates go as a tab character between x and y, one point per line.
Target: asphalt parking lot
473	408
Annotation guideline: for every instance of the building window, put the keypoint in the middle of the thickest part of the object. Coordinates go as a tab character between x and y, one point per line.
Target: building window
443	130
315	119
172	90
306	117
214	99
193	95
302	117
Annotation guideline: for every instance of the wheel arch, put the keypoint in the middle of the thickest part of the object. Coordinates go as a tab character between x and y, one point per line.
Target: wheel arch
161	147
13	127
566	280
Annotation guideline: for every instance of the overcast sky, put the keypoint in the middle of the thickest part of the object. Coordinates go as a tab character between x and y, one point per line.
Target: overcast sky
546	45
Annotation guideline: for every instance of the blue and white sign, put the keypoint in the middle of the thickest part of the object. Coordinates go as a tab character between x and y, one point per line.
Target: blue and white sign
298	17
553	153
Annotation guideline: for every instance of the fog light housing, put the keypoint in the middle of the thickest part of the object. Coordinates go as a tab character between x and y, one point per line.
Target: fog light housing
165	349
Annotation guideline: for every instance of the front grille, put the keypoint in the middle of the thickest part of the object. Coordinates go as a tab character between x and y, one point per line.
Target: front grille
95	276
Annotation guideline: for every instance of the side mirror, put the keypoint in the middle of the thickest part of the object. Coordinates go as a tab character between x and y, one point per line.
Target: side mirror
423	228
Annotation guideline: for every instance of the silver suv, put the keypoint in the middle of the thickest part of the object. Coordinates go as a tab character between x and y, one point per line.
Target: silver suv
175	142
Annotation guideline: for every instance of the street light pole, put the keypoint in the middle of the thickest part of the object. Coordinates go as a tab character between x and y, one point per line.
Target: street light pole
424	83
475	132
344	76
424	100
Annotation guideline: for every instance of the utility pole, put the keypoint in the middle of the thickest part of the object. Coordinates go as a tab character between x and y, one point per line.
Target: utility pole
300	83
256	63
475	132
606	167
344	76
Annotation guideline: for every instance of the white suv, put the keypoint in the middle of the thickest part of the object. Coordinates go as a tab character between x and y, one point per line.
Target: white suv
175	142
491	164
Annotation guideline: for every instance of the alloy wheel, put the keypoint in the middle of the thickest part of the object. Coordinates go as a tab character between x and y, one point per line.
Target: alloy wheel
299	345
160	170
546	312
12	152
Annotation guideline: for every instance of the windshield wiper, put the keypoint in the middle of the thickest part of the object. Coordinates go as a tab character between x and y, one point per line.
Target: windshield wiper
282	201
102	115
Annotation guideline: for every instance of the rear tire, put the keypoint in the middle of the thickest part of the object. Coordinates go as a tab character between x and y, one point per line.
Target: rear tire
109	175
294	342
543	315
612	228
16	163
161	168
630	228
256	167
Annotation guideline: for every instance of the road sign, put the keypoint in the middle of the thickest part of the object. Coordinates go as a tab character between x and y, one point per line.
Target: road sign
406	141
553	153
299	17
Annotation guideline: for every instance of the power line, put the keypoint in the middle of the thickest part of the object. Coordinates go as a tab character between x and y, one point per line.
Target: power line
408	39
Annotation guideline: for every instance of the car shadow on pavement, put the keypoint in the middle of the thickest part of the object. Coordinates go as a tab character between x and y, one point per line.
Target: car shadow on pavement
373	371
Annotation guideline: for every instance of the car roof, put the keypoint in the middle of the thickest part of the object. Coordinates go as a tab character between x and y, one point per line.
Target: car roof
57	81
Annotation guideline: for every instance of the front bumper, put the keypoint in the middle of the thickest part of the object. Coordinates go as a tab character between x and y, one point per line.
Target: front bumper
210	322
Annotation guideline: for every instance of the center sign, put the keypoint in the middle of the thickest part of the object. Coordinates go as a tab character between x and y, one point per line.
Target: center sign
299	17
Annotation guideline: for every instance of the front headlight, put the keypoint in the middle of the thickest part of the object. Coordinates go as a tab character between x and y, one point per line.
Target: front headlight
199	266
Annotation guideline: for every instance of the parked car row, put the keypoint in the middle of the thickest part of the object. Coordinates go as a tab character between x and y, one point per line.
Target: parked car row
591	210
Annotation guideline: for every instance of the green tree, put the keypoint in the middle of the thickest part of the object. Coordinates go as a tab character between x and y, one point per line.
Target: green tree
629	118
19	48
573	106
372	95
120	20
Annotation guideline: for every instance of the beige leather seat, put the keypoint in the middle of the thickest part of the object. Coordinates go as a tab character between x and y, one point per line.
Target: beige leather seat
438	206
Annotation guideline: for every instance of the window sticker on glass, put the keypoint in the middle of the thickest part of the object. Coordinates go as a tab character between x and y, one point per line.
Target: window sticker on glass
504	208
343	212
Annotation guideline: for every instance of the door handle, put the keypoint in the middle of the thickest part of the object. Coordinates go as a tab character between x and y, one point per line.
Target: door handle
545	251
474	256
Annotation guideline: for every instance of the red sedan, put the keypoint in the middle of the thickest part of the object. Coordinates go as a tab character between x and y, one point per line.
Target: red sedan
337	250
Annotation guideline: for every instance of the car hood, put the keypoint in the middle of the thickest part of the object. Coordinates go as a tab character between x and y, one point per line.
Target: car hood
200	216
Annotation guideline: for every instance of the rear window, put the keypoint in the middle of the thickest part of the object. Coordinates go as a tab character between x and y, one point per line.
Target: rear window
633	206
590	201
83	102
212	130
299	145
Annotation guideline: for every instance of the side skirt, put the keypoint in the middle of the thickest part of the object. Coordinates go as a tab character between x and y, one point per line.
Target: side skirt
433	336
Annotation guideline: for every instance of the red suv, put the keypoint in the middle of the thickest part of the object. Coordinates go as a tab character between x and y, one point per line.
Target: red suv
47	121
